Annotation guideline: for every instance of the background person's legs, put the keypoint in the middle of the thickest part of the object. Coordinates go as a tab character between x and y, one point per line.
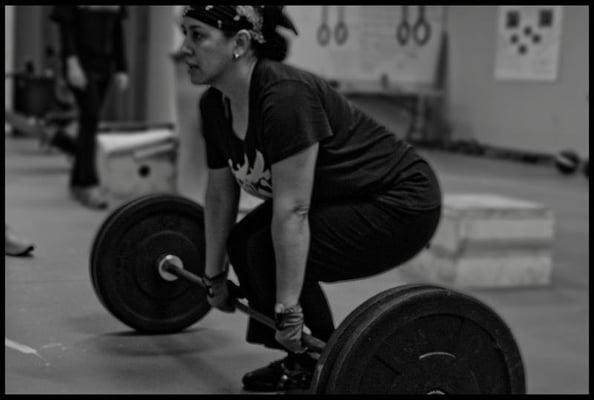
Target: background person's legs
84	180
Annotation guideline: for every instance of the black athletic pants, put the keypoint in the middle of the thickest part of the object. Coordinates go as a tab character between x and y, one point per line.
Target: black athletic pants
348	240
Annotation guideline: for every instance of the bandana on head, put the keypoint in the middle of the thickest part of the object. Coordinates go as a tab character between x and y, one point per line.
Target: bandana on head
235	18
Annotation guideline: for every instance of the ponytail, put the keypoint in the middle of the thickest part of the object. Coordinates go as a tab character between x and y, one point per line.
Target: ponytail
276	46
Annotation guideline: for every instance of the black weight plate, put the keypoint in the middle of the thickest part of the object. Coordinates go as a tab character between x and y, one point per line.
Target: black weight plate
124	259
429	341
343	331
105	228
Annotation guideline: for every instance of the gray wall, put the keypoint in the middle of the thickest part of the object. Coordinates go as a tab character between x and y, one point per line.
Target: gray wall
8	53
161	90
538	116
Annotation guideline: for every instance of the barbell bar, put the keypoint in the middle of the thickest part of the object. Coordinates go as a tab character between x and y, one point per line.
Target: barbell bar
168	264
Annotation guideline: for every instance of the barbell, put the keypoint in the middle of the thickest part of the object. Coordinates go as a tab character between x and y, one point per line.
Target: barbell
145	265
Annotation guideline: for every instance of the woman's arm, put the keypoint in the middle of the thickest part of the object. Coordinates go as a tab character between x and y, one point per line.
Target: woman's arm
292	184
220	214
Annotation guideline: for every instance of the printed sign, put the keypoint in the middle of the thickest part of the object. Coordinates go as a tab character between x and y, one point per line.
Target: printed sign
528	41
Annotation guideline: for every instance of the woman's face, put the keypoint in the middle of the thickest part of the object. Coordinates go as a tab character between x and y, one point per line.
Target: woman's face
207	52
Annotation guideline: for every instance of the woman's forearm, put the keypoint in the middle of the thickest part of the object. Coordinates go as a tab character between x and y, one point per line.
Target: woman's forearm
220	213
290	237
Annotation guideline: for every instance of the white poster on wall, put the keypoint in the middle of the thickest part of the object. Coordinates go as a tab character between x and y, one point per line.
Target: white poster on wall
528	42
398	44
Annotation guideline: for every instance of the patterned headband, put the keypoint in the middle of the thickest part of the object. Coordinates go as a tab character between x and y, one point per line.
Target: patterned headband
230	18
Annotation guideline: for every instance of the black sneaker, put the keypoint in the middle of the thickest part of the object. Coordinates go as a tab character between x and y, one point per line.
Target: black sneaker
292	373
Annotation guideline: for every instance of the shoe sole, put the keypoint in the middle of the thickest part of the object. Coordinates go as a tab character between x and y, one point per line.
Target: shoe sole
21	253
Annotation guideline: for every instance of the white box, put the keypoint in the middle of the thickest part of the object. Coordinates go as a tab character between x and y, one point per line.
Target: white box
134	164
488	240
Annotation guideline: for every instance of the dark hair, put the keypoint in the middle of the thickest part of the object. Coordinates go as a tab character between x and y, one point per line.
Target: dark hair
275	48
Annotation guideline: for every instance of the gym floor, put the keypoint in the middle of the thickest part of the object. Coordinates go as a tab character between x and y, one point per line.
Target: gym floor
60	339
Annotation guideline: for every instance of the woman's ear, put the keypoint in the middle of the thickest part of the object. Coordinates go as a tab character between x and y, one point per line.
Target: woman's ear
243	41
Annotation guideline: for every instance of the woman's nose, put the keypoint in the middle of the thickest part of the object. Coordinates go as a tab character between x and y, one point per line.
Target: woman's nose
185	49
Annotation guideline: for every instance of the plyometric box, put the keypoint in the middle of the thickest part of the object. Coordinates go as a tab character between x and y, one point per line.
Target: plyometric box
131	164
488	240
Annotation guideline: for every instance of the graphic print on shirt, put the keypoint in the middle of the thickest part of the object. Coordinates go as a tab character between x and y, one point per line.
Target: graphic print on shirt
254	178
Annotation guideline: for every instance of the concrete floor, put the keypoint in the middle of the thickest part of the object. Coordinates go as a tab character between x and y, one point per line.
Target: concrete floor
75	346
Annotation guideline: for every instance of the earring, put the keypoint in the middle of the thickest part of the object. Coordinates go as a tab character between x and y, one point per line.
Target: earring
235	56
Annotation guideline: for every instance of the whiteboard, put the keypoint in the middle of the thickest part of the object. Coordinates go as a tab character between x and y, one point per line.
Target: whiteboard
371	52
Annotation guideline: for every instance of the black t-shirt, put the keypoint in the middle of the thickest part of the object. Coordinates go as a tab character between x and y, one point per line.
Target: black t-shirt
290	110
